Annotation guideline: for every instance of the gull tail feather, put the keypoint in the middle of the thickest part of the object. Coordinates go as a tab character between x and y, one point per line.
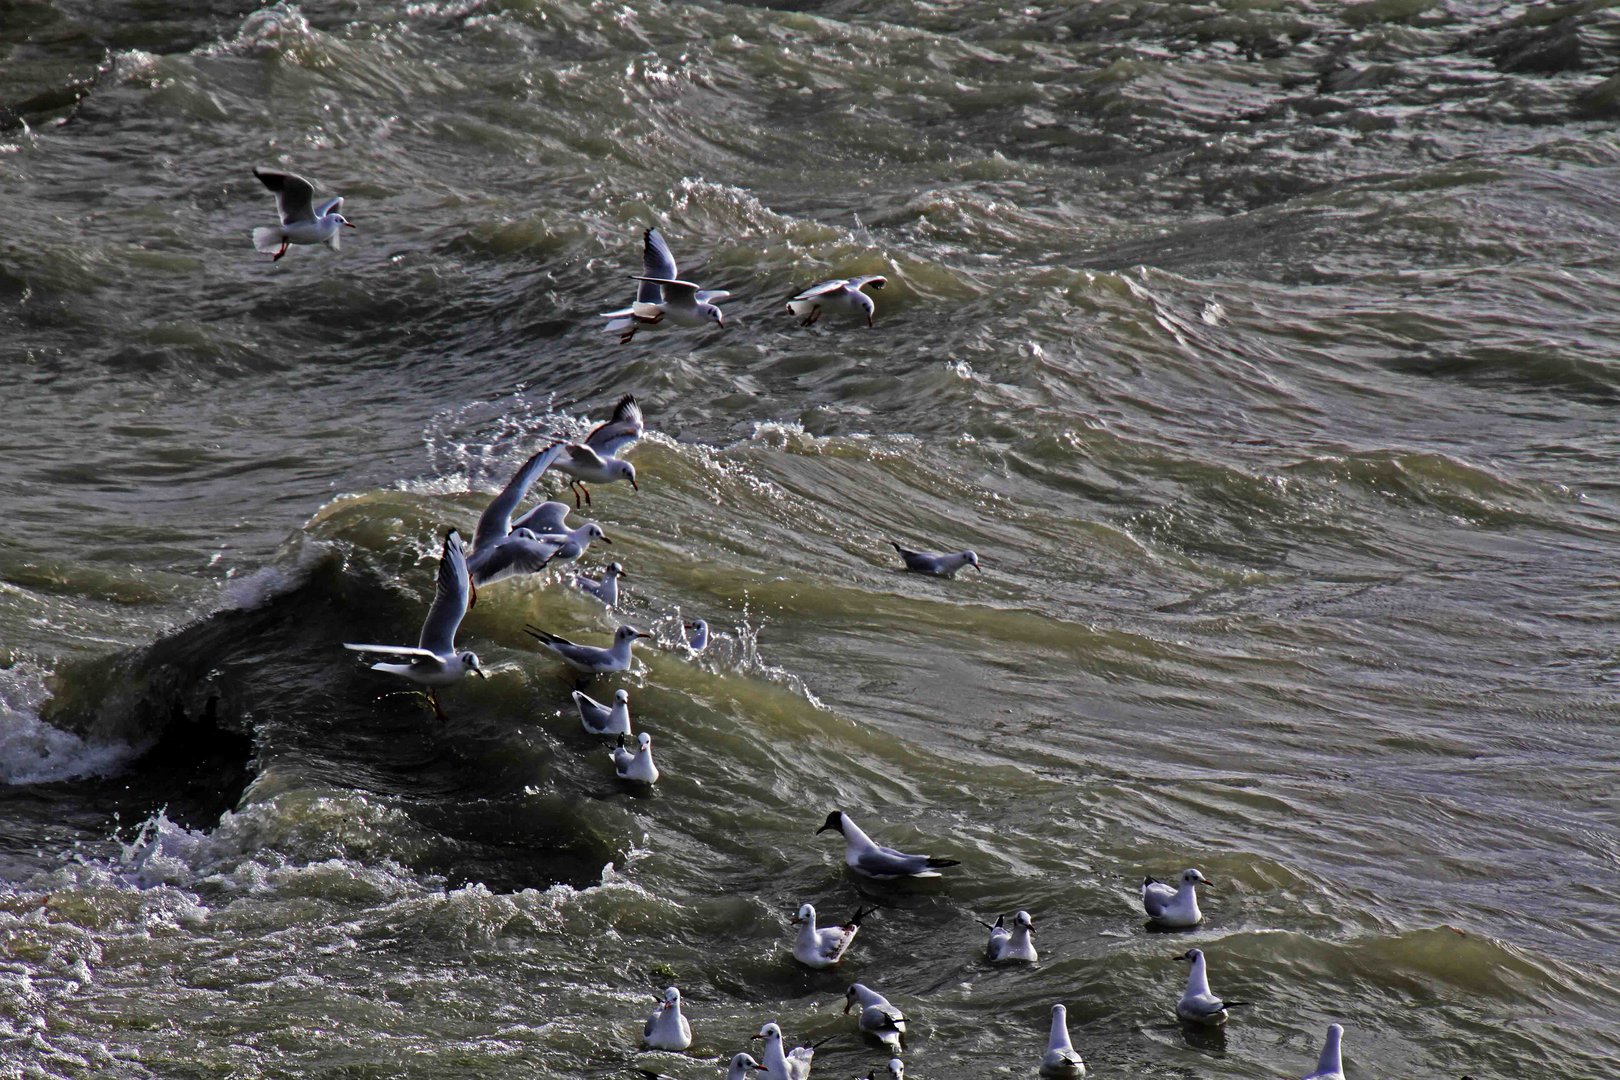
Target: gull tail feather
935	864
266	238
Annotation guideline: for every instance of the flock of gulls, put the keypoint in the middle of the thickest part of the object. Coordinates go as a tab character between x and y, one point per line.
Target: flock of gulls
505	546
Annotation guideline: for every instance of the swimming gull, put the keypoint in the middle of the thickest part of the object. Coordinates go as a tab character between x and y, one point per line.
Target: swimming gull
1011	946
878	1016
1176	907
1198	1005
1061	1060
938	564
667	1028
822	947
866	857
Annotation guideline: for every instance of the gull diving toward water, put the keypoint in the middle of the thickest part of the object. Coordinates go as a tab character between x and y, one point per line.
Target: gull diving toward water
302	222
1198	1005
841	294
434	662
1061	1060
1173	908
822	947
865	857
878	1016
741	1068
667	1028
596	460
790	1065
662	297
697	635
638	766
1011	946
590	659
939	565
500	549
607	588
1330	1066
599	719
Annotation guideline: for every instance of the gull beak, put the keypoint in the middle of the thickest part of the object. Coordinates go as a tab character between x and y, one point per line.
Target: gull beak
823	829
869	322
481	674
757	1037
848	1006
604	540
348	224
634	485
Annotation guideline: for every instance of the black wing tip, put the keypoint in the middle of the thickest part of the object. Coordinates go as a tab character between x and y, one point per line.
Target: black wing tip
537	633
896	545
625	405
855	919
937	864
1151	881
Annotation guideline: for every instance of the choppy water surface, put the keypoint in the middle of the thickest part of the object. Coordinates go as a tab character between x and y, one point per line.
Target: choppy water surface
1265	352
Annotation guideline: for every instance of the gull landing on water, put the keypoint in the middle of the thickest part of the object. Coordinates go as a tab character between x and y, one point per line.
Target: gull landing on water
662	297
595	460
1198	1005
1173	908
667	1028
939	565
1330	1066
302	222
840	294
1011	946
867	858
1061	1059
500	548
434	662
823	946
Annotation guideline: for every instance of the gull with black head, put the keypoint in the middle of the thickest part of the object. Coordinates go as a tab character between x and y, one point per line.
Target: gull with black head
865	857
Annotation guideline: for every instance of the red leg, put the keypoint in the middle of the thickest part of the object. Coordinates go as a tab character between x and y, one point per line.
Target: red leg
438	710
282	252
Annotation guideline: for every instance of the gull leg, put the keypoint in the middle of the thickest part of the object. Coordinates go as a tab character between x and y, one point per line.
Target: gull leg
624	338
574	486
438	710
283	251
815	313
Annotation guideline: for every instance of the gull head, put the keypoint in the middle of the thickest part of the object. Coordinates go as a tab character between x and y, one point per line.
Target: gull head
1191	956
835	821
864	302
626	633
849	995
341	220
742	1063
713	314
1023	919
469	662
613	569
973	560
897	1069
768	1032
623	470
672	997
621	697
807	914
1193	877
644	741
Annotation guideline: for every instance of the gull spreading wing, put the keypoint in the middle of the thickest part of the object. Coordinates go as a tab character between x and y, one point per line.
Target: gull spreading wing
294	194
450	598
621	430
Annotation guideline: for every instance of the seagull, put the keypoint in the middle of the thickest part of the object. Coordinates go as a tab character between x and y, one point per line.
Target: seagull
548	517
1330	1066
572	543
496	521
1198	1005
638	766
878	1016
1010	946
662	295
897	1071
605	590
1174	908
792	1065
1061	1059
740	1067
302	222
840	294
666	1028
434	662
697	635
590	659
520	551
596	460
939	565
493	558
865	857
822	947
599	719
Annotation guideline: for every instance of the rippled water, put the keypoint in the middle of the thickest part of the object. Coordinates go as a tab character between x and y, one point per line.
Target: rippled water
1265	352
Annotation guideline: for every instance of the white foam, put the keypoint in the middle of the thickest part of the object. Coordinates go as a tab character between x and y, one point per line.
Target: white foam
34	752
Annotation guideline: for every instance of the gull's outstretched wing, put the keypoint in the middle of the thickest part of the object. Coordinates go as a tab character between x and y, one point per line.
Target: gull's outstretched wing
674	289
450	599
622	429
330	206
822	289
547	517
496	521
870	281
656	264
294	194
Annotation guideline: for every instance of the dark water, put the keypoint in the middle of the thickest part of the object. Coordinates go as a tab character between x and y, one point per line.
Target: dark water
1264	352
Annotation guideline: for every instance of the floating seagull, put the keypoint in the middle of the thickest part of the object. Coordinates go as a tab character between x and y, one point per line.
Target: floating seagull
739	1069
434	662
1061	1059
663	297
878	1016
865	857
1330	1066
595	460
939	565
666	1028
599	719
897	1071
840	294
302	222
697	635
1198	1005
638	766
1173	907
590	659
605	590
822	947
1011	946
790	1065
